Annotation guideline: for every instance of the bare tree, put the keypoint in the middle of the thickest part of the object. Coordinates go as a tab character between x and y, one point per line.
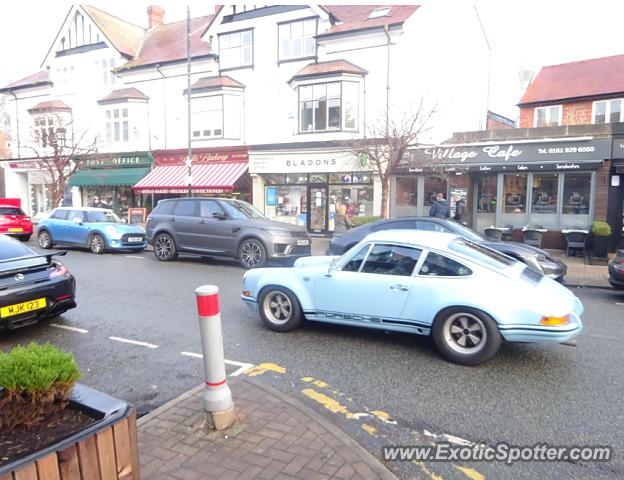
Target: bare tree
388	141
60	149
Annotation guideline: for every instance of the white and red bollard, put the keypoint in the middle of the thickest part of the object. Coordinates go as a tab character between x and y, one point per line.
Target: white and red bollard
217	395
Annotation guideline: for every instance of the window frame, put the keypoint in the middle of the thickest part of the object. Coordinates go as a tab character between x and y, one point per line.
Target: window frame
222	94
547	108
45	125
341	120
123	123
607	110
303	57
253	41
422	262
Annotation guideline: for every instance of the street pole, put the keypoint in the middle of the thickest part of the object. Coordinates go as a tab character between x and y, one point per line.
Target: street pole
189	158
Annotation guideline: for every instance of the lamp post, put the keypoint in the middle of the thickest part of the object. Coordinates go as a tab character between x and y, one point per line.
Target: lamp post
189	158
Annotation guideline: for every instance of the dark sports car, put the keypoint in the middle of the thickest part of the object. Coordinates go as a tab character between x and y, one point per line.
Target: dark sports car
539	260
616	270
32	286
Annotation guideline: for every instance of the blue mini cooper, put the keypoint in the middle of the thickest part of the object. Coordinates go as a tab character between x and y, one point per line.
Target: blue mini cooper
98	229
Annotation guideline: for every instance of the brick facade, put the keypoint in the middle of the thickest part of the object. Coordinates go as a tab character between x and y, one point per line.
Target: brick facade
574	113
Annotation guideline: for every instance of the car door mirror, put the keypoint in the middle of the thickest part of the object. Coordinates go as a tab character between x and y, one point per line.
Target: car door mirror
219	216
123	220
331	268
77	220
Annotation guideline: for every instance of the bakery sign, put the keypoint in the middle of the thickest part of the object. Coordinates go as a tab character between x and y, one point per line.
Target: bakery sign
179	157
472	157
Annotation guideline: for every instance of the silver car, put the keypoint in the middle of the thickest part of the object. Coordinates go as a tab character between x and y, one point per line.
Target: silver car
222	227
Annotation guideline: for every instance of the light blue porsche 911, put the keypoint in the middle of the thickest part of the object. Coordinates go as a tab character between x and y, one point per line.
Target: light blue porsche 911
467	297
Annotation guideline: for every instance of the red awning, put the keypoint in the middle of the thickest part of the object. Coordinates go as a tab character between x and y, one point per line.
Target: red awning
218	177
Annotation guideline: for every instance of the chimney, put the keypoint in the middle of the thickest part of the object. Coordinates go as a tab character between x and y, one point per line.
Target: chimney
155	14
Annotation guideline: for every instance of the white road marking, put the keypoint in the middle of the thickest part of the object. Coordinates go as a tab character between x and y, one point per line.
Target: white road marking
620	304
67	327
449	438
134	256
133	342
242	365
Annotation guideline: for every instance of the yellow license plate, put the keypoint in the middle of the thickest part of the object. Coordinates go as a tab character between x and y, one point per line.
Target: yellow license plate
19	308
16	229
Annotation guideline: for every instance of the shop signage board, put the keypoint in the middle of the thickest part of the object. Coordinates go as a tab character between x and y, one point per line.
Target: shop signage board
306	163
618	148
136	159
568	155
198	157
136	215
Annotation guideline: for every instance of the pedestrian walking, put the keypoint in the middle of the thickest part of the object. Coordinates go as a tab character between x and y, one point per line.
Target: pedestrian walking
440	207
460	209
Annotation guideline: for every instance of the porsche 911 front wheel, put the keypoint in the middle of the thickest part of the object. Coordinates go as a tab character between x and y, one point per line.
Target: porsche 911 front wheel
466	335
280	309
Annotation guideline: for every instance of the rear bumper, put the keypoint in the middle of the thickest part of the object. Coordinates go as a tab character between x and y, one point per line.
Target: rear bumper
25	231
537	333
59	298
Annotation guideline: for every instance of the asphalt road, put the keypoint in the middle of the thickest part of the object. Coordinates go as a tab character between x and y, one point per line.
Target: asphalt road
383	388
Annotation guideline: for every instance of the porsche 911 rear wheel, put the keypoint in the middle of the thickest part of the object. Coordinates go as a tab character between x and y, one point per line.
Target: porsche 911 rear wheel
466	335
280	309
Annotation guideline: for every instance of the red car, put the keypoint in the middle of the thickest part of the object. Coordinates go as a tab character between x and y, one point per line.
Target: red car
14	222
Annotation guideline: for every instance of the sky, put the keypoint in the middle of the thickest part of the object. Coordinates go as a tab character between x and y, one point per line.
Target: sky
521	34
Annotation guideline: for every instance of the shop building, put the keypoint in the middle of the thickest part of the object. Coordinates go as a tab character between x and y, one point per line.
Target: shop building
304	183
111	178
222	172
559	178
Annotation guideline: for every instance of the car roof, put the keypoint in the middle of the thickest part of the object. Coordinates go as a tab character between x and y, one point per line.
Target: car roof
417	237
86	209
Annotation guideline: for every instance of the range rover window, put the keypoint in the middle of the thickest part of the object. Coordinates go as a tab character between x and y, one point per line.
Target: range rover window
440	266
164	208
185	208
209	207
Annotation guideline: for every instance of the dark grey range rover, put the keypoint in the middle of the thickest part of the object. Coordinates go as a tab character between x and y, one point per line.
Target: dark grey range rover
222	227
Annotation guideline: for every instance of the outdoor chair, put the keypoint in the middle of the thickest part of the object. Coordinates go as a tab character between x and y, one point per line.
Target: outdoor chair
493	233
533	237
575	241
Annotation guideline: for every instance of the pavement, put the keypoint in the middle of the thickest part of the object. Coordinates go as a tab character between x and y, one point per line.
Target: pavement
274	437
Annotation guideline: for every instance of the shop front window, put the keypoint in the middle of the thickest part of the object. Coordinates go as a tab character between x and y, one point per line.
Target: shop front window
486	202
514	199
286	203
544	200
406	196
576	196
433	186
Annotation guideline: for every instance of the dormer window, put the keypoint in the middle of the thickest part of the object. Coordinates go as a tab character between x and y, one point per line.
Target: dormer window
296	39
379	12
236	49
50	120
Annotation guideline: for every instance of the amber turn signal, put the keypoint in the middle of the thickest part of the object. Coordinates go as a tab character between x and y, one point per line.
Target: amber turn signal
555	320
247	293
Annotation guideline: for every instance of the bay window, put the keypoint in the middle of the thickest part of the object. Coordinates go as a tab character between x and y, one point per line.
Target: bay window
216	116
548	116
607	111
296	39
328	106
48	131
236	49
117	125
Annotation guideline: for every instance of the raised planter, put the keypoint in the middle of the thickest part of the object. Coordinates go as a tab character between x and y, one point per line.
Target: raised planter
105	450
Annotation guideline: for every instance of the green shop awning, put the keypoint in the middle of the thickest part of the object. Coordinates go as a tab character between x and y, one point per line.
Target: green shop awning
107	177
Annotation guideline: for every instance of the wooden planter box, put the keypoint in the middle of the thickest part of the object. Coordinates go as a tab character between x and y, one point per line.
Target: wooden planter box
106	450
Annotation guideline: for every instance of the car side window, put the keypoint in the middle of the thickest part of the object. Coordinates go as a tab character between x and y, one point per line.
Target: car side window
391	260
209	207
59	215
440	266
73	214
185	208
431	226
164	208
354	264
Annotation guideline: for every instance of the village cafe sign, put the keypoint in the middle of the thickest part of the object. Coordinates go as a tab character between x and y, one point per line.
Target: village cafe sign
485	157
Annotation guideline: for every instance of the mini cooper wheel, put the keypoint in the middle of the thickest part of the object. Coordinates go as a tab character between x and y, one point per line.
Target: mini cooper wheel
96	244
252	253
466	336
280	309
165	247
44	239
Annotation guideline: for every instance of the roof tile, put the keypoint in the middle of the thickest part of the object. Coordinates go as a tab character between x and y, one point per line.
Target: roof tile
124	94
39	78
125	36
586	78
324	68
167	43
355	17
216	82
50	105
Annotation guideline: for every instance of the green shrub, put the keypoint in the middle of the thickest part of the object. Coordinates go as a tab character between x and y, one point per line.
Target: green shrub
601	229
37	380
357	221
